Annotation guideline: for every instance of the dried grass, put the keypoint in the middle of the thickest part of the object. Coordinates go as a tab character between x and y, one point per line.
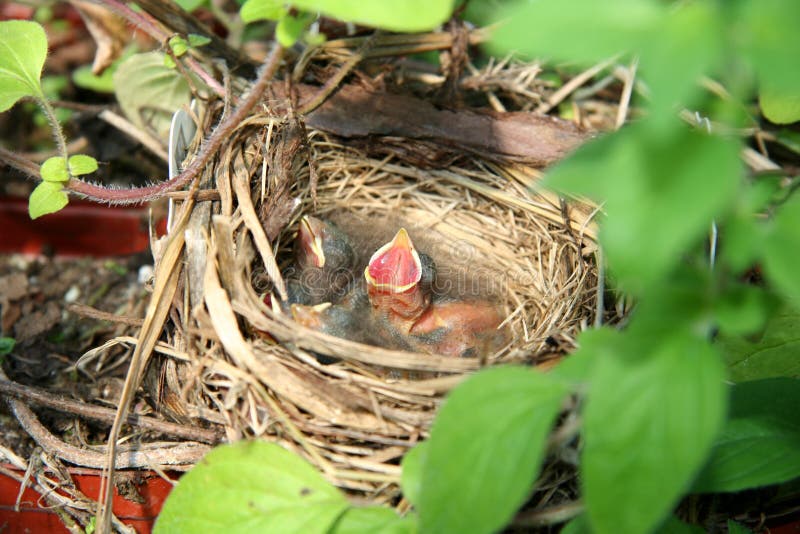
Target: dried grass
486	221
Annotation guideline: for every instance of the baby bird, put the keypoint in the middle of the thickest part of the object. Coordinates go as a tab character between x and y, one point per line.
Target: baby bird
351	319
324	260
399	286
393	276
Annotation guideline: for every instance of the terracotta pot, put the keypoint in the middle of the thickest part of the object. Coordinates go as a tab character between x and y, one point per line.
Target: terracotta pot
80	229
34	514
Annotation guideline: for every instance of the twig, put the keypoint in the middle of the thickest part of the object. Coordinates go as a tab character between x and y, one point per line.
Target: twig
332	83
20	163
627	90
182	454
93	313
549	516
565	90
106	415
129	129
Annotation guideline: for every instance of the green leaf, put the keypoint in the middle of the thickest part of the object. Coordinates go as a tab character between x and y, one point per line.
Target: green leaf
760	444
485	449
196	40
84	77
660	194
686	44
673	525
745	238
149	92
411	476
773	354
54	169
651	415
7	345
190	5
790	139
169	62
742	309
579	525
290	28
779	107
23	49
48	197
373	519
765	31
254	10
586	31
251	486
737	528
179	45
398	15
781	246
81	164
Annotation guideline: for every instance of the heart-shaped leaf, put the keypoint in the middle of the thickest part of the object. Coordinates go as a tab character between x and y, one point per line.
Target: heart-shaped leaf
149	92
23	49
251	486
48	197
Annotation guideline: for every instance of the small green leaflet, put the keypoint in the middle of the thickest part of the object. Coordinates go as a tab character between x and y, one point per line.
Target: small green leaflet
190	5
48	197
6	345
196	40
290	28
179	45
254	10
81	164
23	49
54	169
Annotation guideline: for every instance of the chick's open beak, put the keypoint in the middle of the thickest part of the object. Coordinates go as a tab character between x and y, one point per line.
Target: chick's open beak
309	237
395	267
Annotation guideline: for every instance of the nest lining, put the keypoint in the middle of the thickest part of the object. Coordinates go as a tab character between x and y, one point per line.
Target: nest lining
355	419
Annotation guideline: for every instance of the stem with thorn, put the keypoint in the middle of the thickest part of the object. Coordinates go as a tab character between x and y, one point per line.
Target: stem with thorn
222	132
209	148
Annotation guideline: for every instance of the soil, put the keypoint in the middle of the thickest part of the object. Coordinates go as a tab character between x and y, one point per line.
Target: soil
36	299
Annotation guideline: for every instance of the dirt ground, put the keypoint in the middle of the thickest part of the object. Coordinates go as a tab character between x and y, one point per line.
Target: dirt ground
40	307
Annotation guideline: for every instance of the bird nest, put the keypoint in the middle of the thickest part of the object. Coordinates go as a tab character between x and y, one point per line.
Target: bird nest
485	223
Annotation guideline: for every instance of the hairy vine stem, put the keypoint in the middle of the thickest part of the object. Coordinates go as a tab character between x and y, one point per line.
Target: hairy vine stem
208	149
55	126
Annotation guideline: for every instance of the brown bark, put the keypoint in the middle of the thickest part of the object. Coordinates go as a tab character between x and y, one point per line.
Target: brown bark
354	112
